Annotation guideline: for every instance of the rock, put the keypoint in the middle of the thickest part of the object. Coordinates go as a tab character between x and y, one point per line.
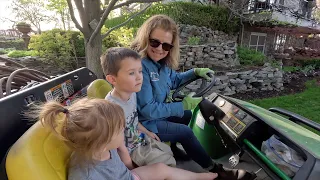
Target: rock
218	82
218	55
253	73
232	75
245	76
224	79
241	88
252	80
278	74
229	93
228	52
270	76
190	53
198	62
190	59
227	89
245	72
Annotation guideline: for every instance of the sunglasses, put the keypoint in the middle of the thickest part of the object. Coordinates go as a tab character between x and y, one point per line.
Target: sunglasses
156	43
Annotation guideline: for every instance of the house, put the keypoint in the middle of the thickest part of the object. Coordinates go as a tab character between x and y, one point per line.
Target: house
271	26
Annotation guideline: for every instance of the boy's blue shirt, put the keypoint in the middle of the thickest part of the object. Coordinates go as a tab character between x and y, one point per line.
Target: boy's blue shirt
158	80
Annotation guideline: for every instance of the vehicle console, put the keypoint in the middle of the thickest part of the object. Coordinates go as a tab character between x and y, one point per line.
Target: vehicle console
247	130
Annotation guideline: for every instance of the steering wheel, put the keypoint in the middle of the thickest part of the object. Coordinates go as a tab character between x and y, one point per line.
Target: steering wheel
176	96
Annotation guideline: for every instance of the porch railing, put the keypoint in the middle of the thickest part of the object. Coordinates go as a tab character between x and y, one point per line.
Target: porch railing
305	8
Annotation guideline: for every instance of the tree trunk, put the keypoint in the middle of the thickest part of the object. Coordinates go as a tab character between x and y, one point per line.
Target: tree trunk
93	51
93	54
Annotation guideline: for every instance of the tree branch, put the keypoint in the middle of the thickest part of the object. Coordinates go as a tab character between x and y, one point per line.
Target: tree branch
124	23
82	13
128	2
73	17
103	18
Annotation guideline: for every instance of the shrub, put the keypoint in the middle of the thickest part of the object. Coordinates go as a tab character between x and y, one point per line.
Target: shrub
214	17
306	62
16	44
250	57
59	47
2	51
19	53
119	37
291	69
194	40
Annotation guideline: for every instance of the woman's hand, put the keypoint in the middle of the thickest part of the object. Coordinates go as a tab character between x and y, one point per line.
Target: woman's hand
190	102
203	72
153	135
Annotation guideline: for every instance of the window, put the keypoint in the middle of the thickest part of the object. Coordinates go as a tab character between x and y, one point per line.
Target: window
257	41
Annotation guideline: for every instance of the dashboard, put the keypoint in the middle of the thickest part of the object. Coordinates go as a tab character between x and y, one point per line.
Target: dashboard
234	121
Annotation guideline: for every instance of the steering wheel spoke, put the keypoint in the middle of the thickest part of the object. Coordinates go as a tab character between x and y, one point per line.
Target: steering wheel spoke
204	88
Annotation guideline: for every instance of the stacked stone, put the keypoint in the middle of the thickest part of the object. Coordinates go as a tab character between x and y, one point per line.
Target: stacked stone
266	78
206	35
209	55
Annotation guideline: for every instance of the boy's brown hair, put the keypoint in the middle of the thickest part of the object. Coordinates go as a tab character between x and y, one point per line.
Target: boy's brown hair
110	60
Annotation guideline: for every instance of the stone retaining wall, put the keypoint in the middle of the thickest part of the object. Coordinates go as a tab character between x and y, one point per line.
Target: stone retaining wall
266	78
209	55
217	48
206	35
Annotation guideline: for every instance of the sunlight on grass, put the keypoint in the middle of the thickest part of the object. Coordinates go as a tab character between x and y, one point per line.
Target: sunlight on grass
306	104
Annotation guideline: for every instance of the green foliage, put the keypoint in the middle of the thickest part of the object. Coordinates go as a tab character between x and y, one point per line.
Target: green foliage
23	24
306	62
291	69
19	53
249	56
194	40
2	51
119	37
6	51
16	44
59	47
308	69
214	17
60	7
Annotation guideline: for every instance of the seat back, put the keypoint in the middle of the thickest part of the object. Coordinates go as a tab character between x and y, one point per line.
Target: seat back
38	154
99	88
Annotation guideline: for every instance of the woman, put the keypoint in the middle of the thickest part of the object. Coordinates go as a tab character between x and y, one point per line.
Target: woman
157	41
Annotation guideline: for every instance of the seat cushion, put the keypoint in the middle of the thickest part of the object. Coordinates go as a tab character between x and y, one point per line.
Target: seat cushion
99	88
38	155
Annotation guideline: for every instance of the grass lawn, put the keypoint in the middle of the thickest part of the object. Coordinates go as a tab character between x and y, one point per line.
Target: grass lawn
306	104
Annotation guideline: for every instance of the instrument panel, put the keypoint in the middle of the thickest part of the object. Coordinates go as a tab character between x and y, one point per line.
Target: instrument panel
235	121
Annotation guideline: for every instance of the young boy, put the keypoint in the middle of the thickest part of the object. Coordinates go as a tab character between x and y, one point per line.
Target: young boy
123	69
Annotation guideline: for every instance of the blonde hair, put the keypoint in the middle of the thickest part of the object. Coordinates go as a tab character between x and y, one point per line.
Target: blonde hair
141	42
86	126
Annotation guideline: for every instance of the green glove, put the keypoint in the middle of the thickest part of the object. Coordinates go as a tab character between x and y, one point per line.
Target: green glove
190	102
203	72
169	97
